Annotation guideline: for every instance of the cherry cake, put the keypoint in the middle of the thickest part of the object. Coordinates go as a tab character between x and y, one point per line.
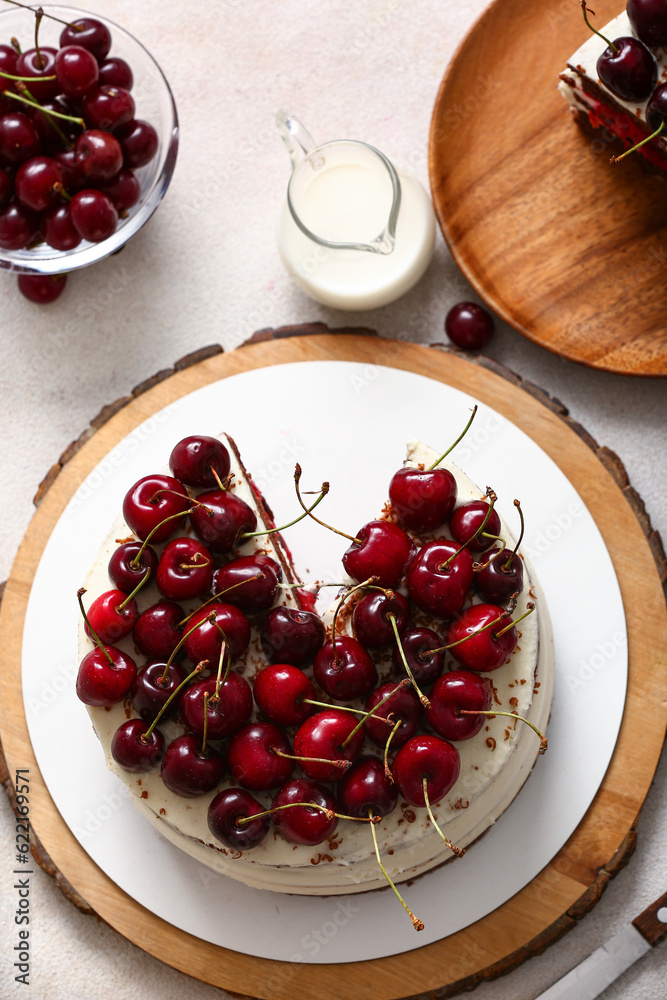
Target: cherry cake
276	716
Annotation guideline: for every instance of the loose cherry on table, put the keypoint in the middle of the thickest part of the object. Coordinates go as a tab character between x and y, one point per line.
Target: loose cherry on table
439	578
280	690
626	67
185	569
158	629
249	582
344	669
469	326
370	620
327	736
197	460
260	757
649	21
42	288
305	825
292	636
454	691
230	625
227	816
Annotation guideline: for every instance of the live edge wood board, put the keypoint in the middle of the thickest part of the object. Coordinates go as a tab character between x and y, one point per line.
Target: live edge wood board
574	880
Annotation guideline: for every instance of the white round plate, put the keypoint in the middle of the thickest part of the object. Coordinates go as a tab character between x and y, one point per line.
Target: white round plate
347	423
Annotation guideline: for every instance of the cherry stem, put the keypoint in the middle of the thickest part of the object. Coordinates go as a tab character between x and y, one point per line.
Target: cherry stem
586	11
219	593
458	851
135	591
15	44
26	79
163	678
366	583
215	475
223	649
512	624
204	734
416	923
373	710
25	6
477	567
136	562
471	635
459	438
297	476
46	111
387	769
339	708
195	565
58	187
505	568
342	764
617	159
271	531
544	743
243	820
198	669
422	697
492	499
92	631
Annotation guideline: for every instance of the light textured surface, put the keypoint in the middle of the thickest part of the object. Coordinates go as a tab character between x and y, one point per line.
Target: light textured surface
206	270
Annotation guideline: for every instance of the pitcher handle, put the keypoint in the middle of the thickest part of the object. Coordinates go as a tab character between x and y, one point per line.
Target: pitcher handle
297	138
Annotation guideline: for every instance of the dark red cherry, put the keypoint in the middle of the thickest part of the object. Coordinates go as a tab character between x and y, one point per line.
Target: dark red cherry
422	499
158	630
366	788
38	183
36	66
93	215
436	588
187	771
58	229
649	21
453	692
385	552
250	582
230	625
224	812
123	571
108	108
427	757
150	501
133	750
656	109
279	690
6	188
99	682
466	520
98	156
469	326
345	670
8	58
139	142
124	190
76	69
67	159
322	735
222	519
403	704
115	72
150	692
425	665
42	288
19	139
307	825
291	636
112	616
89	33
628	69
193	459
226	712
252	759
185	569
18	226
497	582
370	618
487	650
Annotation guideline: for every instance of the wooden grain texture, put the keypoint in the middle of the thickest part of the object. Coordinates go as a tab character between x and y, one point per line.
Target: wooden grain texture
648	924
569	250
575	879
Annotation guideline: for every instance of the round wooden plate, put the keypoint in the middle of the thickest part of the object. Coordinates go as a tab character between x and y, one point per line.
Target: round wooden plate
566	248
574	880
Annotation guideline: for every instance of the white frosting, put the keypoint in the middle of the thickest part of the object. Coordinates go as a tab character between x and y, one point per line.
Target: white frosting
494	764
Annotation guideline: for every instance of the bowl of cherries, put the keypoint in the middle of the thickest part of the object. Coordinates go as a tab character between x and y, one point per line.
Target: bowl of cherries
88	138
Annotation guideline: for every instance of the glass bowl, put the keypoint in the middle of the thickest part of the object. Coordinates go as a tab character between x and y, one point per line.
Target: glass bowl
155	103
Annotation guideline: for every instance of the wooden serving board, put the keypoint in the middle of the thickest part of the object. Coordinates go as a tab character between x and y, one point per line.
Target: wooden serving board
574	880
566	248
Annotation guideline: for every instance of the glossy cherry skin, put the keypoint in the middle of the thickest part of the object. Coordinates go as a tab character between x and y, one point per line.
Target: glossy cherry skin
322	735
116	72
124	190
206	641
631	71
36	181
42	288
370	620
150	693
486	651
185	569
8	59
139	142
18	227
467	518
111	622
150	501
229	806
90	33
422	499
98	156
225	715
279	690
385	552
108	108
304	826
29	64
222	519
67	160
99	682
193	458
417	644
469	326
454	691
438	590
187	771
366	788
19	139
404	705
496	584
134	753
345	671
427	757
77	70
6	188
250	582
291	636
123	573
252	760
656	109
58	229
93	215
158	630
649	21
